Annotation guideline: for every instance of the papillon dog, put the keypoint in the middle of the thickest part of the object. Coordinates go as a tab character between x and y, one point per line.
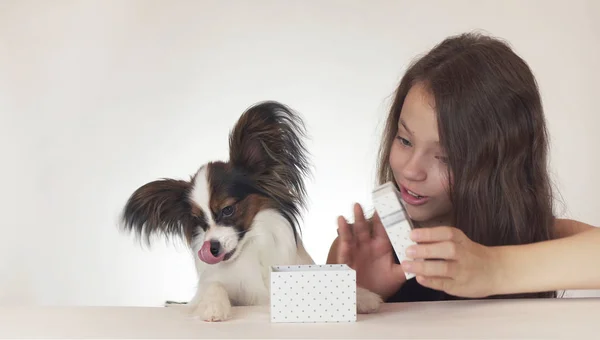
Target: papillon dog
238	217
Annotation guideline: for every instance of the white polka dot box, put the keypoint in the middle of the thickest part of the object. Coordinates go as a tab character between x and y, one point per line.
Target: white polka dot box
313	293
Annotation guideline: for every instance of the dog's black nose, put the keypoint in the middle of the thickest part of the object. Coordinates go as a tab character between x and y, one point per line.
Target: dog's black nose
215	247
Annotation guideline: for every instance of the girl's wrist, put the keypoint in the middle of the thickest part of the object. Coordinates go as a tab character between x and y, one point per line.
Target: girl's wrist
511	269
500	276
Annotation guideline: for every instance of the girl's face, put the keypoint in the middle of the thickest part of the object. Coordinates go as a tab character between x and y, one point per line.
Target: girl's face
418	161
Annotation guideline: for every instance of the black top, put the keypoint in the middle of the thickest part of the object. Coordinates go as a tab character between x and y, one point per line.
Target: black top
412	291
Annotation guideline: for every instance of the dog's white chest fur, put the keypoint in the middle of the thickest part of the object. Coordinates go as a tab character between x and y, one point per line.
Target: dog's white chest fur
244	279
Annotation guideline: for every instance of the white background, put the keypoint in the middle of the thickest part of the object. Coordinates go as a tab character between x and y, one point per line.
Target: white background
100	97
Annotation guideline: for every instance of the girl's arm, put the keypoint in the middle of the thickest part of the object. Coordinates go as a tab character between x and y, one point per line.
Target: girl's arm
568	263
446	259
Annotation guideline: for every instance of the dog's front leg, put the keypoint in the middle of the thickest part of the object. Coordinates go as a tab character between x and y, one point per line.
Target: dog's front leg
213	303
366	301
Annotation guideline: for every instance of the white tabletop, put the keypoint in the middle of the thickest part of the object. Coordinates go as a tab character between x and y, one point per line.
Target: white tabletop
558	318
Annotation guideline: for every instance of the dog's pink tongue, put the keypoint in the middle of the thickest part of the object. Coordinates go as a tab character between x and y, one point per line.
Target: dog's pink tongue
206	256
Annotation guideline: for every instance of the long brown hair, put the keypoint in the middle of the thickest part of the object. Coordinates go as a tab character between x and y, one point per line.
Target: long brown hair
492	126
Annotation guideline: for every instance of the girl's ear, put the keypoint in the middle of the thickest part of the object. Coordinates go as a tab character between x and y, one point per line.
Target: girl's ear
161	208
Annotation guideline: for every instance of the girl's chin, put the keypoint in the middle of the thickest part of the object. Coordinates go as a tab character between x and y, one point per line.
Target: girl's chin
422	216
418	214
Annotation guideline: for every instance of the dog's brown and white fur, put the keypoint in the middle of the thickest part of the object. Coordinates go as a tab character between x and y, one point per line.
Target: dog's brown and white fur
238	217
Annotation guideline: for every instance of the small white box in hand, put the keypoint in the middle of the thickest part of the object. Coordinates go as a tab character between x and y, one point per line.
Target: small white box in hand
313	293
394	218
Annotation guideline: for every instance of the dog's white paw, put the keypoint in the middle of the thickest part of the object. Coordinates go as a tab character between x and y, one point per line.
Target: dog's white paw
211	303
213	309
366	301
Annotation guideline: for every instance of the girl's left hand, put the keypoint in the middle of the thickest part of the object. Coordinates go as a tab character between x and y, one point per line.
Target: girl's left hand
446	259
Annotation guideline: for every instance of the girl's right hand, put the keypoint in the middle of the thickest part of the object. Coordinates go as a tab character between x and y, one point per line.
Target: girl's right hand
366	248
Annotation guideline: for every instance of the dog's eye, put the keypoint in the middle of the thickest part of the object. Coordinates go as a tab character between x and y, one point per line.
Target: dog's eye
227	211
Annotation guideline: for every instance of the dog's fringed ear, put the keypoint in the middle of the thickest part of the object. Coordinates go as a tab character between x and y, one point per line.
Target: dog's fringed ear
267	145
159	208
248	140
267	140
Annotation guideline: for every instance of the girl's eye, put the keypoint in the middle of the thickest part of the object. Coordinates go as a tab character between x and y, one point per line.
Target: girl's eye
227	211
404	141
443	159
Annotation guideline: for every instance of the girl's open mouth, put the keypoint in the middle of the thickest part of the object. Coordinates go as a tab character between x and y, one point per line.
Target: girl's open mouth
411	197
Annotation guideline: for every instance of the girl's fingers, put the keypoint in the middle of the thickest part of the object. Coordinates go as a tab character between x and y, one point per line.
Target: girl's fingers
344	230
438	268
344	253
437	234
361	228
446	250
378	228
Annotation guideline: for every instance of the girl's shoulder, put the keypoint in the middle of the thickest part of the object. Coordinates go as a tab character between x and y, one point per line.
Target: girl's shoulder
567	227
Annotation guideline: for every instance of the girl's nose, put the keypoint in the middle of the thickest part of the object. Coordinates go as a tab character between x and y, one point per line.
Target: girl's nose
414	169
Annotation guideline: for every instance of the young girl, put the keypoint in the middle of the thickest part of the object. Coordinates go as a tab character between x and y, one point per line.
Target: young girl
466	144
